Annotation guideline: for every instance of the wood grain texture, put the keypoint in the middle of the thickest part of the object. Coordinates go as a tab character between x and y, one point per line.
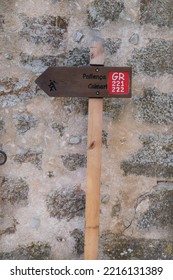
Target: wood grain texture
92	211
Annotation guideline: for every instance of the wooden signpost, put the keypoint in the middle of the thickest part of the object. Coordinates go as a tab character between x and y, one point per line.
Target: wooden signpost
95	82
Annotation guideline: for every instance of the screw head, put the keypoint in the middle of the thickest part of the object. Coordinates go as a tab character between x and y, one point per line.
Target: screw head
98	92
97	69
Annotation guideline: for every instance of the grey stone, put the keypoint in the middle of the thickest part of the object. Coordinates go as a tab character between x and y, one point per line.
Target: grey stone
58	127
79	36
120	247
154	159
73	140
78	57
112	108
78	236
155	59
105	198
112	45
104	138
101	11
75	105
156	12
154	107
13	85
40	63
74	161
44	30
33	156
1	23
8	56
25	122
35	223
13	99
116	208
160	211
134	39
8	225
66	203
33	251
2	125
14	190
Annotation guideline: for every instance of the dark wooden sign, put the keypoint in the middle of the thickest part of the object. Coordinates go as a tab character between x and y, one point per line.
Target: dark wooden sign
91	81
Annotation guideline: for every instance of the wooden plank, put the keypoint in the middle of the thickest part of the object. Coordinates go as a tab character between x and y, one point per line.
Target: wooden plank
87	81
92	211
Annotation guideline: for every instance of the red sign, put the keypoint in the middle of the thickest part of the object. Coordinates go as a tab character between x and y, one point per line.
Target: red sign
118	83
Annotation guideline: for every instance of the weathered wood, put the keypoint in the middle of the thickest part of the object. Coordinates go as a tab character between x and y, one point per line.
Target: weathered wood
92	211
87	81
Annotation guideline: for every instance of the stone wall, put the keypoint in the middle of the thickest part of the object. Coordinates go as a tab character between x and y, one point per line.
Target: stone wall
42	183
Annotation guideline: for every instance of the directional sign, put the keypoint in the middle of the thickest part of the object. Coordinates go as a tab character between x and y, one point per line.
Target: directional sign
91	81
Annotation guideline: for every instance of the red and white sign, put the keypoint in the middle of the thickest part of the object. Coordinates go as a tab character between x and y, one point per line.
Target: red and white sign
118	83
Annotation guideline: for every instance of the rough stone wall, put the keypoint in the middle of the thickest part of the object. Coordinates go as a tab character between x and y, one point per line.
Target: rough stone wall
42	184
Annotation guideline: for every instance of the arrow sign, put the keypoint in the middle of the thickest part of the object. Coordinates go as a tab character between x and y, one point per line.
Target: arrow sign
91	81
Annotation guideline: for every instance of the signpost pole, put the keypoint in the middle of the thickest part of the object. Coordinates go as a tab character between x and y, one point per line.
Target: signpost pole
92	210
94	82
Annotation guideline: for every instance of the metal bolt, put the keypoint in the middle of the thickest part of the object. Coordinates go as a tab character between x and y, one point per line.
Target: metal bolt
98	92
97	69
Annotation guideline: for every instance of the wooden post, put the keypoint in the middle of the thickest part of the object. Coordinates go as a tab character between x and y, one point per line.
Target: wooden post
92	211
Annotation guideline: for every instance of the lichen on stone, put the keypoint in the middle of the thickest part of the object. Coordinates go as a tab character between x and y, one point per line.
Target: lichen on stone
120	247
154	107
2	125
14	190
112	45
156	12
75	105
25	122
154	159
113	107
33	156
40	63
78	236
155	59
44	29
34	251
73	161
101	11
78	57
160	211
66	203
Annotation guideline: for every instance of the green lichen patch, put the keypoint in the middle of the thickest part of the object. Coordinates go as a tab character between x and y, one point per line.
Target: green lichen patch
155	107
74	161
14	190
154	159
101	11
160	211
155	59
66	203
33	251
117	247
156	12
44	29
